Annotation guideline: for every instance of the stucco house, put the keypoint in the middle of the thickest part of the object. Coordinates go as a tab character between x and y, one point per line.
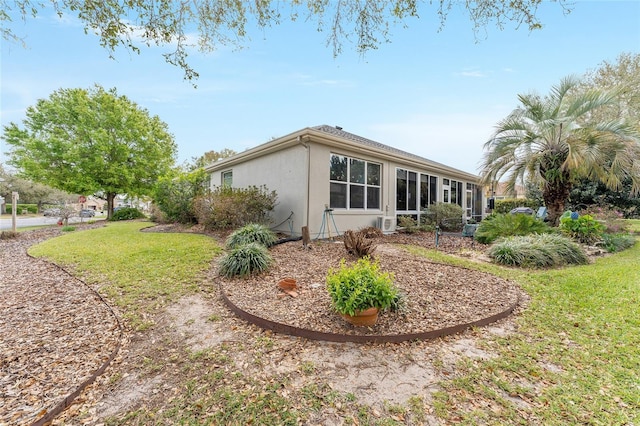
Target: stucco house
331	180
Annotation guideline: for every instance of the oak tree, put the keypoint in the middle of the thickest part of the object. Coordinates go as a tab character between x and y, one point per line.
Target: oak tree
91	141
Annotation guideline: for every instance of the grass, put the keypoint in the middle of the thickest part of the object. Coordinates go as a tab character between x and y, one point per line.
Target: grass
634	225
138	271
572	360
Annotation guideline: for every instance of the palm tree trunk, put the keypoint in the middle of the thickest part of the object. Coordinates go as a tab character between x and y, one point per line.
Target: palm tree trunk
555	199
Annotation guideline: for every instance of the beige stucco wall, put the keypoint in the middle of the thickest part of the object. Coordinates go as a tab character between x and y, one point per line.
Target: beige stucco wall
319	190
284	172
298	164
357	218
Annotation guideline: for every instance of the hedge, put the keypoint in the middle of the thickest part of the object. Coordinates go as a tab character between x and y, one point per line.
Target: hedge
508	204
30	208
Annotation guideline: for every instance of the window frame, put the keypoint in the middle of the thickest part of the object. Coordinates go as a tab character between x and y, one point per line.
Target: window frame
223	178
358	188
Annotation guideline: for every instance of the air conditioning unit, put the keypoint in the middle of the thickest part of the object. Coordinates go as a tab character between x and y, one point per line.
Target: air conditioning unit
387	224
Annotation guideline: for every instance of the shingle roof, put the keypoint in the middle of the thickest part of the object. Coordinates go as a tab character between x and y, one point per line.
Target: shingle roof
352	137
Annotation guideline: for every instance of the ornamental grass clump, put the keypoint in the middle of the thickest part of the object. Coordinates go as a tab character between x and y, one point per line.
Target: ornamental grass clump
508	225
614	243
357	243
360	286
251	258
537	251
251	233
8	235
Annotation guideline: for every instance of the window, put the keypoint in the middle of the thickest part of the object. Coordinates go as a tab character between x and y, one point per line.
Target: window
353	183
445	190
454	192
401	189
428	191
227	178
469	202
424	191
433	189
406	190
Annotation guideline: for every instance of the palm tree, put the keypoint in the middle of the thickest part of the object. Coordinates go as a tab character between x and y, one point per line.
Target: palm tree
553	142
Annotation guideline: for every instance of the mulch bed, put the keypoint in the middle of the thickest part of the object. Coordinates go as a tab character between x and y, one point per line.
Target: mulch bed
438	296
55	332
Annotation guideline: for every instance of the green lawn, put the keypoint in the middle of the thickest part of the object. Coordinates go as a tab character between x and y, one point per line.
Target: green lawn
635	225
574	358
138	271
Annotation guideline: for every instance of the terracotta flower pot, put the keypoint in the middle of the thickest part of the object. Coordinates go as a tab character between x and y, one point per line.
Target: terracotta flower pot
287	284
363	318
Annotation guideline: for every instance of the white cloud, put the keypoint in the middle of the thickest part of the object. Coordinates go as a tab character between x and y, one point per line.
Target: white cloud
472	73
310	80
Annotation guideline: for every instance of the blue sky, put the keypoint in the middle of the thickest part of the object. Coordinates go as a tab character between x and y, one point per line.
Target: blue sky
435	94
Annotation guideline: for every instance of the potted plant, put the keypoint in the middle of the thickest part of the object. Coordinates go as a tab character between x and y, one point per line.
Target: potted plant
360	290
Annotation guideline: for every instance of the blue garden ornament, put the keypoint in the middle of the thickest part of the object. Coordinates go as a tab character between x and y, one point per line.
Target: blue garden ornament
575	215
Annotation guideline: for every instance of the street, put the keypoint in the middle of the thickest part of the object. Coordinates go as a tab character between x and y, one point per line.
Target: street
23	222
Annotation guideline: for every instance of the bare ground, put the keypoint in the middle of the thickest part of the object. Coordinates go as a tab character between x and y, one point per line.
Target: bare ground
148	370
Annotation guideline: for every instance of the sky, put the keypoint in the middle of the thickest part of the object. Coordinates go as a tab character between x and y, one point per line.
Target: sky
437	94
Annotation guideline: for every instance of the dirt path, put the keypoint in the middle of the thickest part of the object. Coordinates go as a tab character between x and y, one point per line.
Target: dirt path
376	375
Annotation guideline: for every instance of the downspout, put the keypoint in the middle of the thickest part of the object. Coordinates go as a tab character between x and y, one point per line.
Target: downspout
308	177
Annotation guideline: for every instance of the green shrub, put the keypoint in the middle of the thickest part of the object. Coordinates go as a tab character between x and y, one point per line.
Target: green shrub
227	207
360	286
175	195
245	260
68	228
505	206
506	225
20	208
617	242
445	215
399	303
127	213
253	232
584	229
408	224
537	251
612	219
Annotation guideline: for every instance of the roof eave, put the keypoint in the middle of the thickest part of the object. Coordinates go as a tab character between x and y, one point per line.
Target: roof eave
337	141
313	135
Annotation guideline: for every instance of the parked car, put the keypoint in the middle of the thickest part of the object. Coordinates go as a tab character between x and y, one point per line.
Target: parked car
87	213
51	212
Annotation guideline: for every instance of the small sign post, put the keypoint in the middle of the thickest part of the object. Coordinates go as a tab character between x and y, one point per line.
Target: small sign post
14	208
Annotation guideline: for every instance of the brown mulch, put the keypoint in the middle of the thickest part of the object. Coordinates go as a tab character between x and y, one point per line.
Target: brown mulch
55	332
437	295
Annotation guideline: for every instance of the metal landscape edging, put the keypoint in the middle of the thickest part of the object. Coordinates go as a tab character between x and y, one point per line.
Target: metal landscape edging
343	338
